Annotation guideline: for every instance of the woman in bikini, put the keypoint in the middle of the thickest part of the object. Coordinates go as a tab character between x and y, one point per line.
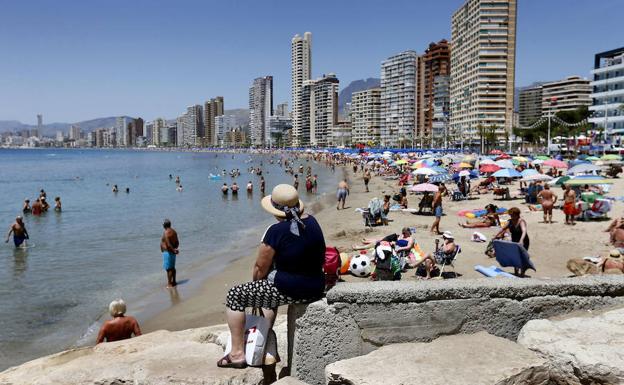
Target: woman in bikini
490	219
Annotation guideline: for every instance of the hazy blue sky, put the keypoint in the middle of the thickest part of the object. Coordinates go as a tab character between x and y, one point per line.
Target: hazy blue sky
75	60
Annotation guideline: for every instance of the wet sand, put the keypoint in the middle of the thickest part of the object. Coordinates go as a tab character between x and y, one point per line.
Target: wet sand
551	244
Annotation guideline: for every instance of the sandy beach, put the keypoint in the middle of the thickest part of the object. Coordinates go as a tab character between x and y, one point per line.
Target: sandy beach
551	244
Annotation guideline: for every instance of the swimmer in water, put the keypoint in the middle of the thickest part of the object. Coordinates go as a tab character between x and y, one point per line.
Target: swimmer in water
57	204
249	187
179	188
115	189
26	209
127	190
225	189
20	234
234	188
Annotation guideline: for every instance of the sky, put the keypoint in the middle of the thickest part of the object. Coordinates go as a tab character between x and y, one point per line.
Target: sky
74	60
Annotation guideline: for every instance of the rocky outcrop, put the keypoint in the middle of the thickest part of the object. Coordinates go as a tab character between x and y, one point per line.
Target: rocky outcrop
479	358
584	349
162	357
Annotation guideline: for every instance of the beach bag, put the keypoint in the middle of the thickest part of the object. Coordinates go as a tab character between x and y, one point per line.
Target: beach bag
256	336
331	267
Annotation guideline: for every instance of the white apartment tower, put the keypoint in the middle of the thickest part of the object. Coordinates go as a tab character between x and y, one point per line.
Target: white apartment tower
608	93
157	131
565	95
483	58
398	99
260	109
366	116
319	110
301	71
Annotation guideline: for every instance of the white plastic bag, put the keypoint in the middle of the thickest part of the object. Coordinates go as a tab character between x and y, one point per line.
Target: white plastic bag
256	334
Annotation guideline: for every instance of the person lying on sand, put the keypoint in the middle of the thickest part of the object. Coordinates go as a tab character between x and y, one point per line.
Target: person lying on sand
490	219
612	264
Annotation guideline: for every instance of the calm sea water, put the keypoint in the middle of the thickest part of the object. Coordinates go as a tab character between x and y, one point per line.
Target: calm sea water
104	245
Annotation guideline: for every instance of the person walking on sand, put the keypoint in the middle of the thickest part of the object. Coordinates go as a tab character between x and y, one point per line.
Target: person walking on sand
367	178
341	193
121	327
18	229
437	211
548	200
169	244
569	205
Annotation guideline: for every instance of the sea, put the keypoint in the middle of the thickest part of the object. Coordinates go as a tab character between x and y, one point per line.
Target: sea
54	294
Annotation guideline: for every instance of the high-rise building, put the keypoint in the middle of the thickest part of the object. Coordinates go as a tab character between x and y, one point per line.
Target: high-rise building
157	131
181	135
212	108
483	46
318	110
436	61
565	95
366	116
260	109
134	129
398	99
59	136
99	137
529	105
194	125
279	126
223	124
282	110
120	131
149	130
441	109
39	125
608	92
301	71
74	132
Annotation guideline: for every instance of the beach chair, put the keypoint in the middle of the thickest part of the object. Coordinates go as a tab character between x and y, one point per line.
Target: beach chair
449	261
512	254
598	210
373	214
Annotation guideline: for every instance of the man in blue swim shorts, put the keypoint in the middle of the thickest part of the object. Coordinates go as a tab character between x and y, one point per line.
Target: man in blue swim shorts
18	229
437	211
169	247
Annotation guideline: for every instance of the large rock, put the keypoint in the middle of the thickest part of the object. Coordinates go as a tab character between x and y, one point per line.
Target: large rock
162	357
585	349
474	359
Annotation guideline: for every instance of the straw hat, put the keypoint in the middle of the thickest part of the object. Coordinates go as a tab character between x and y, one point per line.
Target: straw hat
615	253
283	195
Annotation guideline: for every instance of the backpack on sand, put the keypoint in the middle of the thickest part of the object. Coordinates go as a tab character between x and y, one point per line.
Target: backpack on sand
331	267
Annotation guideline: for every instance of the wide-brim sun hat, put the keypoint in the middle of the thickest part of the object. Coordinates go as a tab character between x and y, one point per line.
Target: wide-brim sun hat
615	253
282	196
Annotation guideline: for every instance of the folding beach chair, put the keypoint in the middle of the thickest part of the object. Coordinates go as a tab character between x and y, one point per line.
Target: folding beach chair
512	254
449	261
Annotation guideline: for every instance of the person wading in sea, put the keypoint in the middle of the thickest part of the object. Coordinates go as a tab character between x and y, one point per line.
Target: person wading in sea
169	244
18	229
121	327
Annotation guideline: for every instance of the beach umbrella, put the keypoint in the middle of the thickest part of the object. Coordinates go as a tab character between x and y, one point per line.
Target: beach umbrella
424	187
486	161
529	172
464	165
486	168
424	171
496	152
584	181
520	159
400	162
504	163
611	157
592	158
583	168
504	156
542	157
440	178
536	177
507	173
563	180
464	173
555	163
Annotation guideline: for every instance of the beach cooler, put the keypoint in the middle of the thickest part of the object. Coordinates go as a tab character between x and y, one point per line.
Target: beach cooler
512	254
493	271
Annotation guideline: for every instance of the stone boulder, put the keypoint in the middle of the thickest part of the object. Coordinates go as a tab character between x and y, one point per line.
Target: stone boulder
474	359
585	349
162	357
289	381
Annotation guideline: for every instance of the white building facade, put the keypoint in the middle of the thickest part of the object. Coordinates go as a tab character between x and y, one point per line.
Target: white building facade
260	109
301	71
366	116
608	92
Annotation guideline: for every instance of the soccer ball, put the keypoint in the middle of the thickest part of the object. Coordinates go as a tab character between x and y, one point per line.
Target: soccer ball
360	265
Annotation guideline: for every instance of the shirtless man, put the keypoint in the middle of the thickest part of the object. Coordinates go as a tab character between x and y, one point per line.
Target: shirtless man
225	189
341	193
367	178
437	211
548	200
36	207
262	185
121	327
18	229
169	244
26	209
569	205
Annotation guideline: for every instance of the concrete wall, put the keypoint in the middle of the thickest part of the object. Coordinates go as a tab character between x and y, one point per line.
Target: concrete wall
357	318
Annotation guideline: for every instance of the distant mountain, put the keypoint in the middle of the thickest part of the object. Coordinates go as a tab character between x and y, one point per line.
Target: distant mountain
51	128
357	85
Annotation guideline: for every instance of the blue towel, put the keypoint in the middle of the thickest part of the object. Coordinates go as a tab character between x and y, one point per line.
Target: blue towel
493	271
512	254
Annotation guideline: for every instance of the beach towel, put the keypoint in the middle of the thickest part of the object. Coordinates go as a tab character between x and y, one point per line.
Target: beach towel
493	271
512	254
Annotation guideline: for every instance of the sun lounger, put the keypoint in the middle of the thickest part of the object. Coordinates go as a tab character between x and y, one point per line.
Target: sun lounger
512	254
493	271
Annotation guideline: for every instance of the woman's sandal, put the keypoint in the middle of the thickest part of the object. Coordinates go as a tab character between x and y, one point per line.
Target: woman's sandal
231	364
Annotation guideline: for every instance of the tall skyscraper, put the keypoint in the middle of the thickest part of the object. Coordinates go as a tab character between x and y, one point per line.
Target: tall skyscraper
260	109
319	110
483	46
366	116
181	131
74	132
157	131
441	109
608	92
120	131
282	110
194	125
212	108
398	99
301	71
436	61
39	125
